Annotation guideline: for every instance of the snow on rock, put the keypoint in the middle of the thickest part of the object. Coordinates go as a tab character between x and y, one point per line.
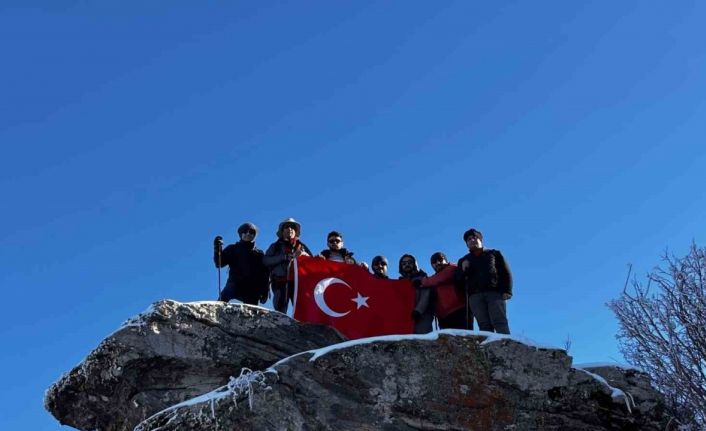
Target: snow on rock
443	380
216	366
173	352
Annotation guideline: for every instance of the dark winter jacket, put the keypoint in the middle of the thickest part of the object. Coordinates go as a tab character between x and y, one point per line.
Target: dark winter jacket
424	299
247	275
487	272
278	256
347	255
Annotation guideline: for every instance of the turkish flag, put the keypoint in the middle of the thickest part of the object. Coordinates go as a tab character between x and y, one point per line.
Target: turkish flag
351	299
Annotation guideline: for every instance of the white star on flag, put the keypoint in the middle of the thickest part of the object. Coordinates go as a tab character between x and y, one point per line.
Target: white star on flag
361	301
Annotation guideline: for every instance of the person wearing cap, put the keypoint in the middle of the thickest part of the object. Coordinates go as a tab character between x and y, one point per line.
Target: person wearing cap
423	313
278	259
451	306
379	265
485	276
247	275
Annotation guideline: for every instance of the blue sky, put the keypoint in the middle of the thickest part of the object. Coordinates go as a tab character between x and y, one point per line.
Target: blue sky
571	135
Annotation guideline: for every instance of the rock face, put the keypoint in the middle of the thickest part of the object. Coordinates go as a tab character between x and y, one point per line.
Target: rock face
171	353
446	381
643	399
146	375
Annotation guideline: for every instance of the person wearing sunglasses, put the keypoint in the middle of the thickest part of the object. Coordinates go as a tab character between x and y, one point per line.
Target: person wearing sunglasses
278	259
451	307
485	276
423	313
247	275
336	251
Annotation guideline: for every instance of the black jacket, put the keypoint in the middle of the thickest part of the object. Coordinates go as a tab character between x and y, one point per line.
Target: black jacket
487	272
247	275
344	252
424	301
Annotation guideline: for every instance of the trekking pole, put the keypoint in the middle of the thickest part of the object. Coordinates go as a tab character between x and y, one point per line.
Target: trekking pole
219	249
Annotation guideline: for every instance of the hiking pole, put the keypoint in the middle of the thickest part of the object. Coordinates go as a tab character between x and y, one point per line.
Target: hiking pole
219	249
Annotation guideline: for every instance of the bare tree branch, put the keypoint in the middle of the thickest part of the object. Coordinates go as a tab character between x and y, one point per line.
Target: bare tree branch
663	331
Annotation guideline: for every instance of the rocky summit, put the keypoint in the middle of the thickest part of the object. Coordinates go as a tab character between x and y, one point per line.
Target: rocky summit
215	366
173	352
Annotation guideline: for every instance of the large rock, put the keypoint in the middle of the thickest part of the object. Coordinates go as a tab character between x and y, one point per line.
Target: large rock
171	353
453	380
643	399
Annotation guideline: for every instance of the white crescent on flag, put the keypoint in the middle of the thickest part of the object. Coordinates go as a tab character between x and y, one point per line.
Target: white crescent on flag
319	291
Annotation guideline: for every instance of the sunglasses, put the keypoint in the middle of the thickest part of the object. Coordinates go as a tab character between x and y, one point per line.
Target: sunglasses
438	262
289	226
379	264
334	241
248	232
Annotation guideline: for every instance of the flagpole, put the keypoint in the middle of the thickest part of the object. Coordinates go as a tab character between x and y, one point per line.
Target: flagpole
296	284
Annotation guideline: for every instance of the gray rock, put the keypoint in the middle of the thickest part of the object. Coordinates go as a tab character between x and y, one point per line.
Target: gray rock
643	399
171	353
445	382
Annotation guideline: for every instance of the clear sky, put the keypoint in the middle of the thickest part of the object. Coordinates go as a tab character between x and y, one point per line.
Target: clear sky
131	133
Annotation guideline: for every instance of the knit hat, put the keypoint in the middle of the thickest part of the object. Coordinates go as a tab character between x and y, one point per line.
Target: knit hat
377	259
245	226
470	232
438	256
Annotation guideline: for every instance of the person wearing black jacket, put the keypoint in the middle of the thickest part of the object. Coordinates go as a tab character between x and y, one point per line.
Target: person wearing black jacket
423	313
336	251
247	275
485	276
379	266
278	259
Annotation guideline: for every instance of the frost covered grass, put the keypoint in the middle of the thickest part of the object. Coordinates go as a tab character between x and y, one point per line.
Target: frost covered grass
246	383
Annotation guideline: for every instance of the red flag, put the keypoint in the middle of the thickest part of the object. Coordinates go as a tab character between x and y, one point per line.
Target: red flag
350	299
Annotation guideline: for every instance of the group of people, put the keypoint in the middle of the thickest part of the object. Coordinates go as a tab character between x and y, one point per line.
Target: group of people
476	287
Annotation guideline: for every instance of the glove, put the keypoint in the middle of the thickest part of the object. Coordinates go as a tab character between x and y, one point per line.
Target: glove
416	315
218	242
417	283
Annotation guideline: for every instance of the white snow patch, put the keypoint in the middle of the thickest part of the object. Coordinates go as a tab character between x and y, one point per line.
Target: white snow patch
609	364
616	393
245	383
434	335
136	321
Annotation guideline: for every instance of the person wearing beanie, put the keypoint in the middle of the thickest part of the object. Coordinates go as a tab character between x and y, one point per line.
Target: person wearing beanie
278	259
379	265
247	275
423	313
451	307
487	281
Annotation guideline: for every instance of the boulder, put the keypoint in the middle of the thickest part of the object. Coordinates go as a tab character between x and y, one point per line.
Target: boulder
171	353
450	380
